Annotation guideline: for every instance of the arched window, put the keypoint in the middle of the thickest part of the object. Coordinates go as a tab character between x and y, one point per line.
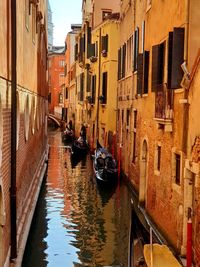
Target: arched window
26	117
33	115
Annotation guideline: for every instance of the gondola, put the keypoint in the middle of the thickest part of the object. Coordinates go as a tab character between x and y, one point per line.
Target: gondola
80	147
68	135
105	166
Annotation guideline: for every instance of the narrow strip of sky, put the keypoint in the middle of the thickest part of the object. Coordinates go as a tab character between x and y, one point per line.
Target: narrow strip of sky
65	13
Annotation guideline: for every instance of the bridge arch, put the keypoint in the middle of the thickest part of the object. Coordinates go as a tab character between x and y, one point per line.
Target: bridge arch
57	121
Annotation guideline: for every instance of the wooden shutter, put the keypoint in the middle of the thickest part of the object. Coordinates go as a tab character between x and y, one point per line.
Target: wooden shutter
105	43
81	86
88	81
175	58
146	72
136	48
76	52
169	67
157	66
89	35
139	74
123	60
119	64
104	88
93	88
90	50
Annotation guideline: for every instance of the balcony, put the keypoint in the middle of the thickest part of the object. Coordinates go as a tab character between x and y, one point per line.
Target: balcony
163	109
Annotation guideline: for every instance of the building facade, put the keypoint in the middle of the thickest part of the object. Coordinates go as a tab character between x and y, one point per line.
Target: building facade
50	27
70	74
56	72
23	121
157	147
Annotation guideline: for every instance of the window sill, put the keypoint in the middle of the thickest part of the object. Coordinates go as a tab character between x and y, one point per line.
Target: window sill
157	173
164	124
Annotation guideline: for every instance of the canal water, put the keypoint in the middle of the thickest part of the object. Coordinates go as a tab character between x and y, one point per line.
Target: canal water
77	222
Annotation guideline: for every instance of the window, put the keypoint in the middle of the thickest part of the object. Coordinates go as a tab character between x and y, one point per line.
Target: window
81	86
90	50
61	78
142	73
119	64
127	117
62	63
93	89
129	57
177	168
134	135
158	56
175	57
106	14
27	14
157	159
88	35
123	60
136	48
33	23
66	93
88	81
104	88
104	47
26	117
60	98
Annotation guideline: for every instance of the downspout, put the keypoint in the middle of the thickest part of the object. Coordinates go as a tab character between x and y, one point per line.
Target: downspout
99	84
13	209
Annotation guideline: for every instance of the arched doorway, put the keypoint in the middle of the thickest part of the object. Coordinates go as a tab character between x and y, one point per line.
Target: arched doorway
143	172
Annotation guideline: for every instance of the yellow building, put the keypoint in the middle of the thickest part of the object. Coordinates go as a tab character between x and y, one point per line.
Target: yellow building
94	13
103	67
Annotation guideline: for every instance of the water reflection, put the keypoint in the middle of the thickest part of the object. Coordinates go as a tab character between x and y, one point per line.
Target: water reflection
78	222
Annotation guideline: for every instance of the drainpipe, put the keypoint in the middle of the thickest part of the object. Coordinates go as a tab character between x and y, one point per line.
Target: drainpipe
13	209
99	84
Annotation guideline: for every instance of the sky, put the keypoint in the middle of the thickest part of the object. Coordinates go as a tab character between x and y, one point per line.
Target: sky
65	13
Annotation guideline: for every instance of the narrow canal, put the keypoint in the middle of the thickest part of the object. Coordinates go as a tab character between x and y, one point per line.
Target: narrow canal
77	222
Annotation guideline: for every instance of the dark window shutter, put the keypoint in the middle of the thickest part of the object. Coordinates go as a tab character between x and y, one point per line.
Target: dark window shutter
93	88
175	58
139	74
136	48
91	50
157	66
88	81
76	52
123	60
119	64
105	43
89	35
146	72
104	88
169	67
81	86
